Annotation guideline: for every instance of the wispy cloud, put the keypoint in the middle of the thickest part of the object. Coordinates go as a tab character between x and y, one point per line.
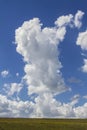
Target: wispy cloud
4	73
12	88
74	80
85	96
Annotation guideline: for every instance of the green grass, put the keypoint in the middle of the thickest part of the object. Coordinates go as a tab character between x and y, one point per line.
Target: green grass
42	124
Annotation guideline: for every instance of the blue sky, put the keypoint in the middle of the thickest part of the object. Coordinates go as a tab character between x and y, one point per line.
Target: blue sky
43	58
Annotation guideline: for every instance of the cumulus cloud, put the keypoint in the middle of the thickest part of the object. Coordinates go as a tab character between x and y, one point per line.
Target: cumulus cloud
64	20
53	108
4	73
49	108
82	40
81	111
13	108
40	52
70	20
78	18
39	47
12	88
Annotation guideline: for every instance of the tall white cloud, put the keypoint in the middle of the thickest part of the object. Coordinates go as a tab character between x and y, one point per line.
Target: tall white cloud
39	49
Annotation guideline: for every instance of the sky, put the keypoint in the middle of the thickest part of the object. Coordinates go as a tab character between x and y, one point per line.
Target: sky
43	58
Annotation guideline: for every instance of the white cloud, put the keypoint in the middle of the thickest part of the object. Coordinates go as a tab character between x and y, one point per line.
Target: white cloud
44	105
4	73
66	111
12	88
15	88
13	108
53	108
70	20
39	48
84	67
81	111
64	20
82	40
78	18
75	99
17	74
48	108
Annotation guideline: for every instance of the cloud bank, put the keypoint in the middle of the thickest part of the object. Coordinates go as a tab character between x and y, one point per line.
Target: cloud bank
48	108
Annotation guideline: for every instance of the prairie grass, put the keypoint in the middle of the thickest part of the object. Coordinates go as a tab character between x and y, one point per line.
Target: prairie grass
42	124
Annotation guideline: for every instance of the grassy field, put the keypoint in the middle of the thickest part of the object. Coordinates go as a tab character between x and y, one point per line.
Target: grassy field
42	124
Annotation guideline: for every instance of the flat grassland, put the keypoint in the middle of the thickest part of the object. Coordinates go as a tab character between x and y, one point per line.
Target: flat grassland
42	124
